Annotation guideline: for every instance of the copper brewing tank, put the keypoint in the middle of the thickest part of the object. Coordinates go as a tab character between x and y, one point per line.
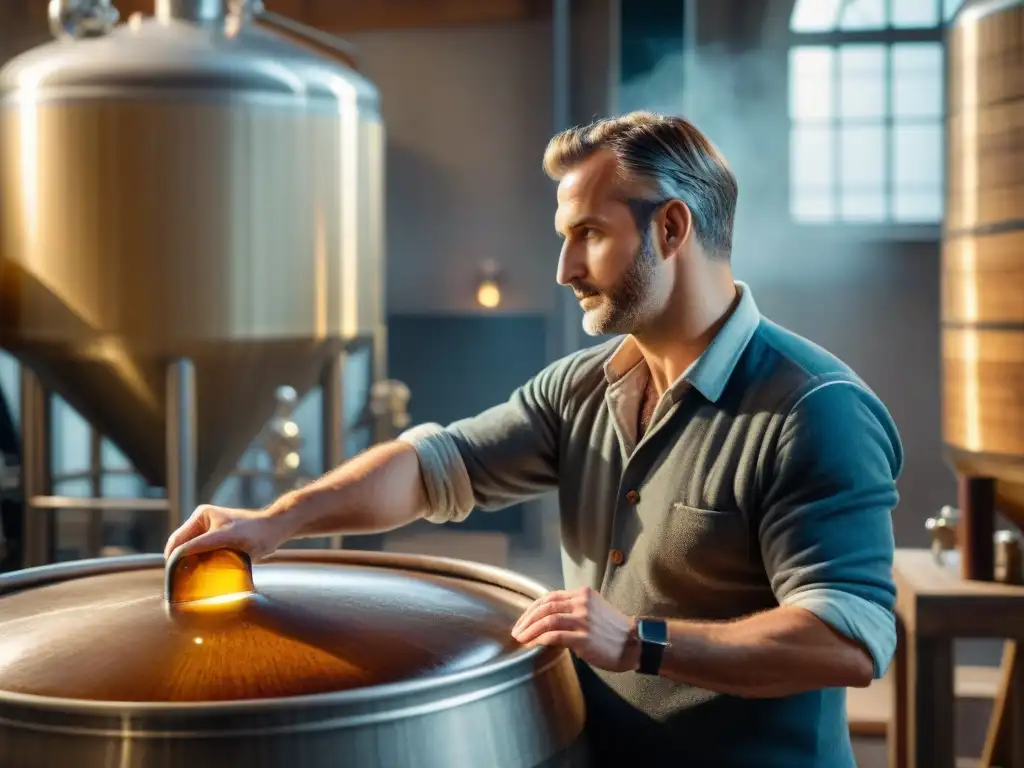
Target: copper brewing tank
983	266
308	660
190	185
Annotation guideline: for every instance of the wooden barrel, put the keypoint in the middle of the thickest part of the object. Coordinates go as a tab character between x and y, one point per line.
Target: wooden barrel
983	261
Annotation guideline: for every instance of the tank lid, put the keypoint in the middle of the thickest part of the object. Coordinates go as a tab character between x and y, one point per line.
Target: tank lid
168	54
297	625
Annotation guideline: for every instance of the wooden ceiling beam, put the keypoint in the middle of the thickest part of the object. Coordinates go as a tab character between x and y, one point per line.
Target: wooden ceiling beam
417	14
343	16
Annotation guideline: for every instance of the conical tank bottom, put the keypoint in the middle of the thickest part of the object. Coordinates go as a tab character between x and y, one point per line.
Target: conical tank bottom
124	397
120	387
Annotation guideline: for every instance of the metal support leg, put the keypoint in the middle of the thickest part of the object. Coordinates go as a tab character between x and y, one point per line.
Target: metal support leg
332	414
95	542
977	527
379	366
36	469
181	441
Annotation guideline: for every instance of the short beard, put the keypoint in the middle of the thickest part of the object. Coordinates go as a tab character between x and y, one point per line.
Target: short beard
625	307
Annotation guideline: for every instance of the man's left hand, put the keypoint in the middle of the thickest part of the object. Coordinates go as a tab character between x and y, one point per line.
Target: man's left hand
583	621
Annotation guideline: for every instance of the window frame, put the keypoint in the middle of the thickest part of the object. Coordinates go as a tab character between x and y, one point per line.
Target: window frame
888	36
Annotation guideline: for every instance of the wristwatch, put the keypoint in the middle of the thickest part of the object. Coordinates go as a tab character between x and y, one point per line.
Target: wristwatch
653	637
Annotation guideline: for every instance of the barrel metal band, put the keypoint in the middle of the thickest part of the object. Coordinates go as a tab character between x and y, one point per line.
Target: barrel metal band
969	325
996	228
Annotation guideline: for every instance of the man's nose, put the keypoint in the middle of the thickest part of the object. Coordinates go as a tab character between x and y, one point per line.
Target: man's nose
570	266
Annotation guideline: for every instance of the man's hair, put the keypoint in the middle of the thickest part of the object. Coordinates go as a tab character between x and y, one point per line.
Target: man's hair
667	158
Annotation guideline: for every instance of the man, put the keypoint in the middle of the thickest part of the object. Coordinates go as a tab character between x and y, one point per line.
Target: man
726	486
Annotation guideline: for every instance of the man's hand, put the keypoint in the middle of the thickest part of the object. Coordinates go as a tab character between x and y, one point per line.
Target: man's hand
583	621
257	533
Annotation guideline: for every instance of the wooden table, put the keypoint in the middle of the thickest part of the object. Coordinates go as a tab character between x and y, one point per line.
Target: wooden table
934	606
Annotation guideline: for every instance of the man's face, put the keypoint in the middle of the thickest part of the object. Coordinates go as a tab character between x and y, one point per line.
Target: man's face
611	266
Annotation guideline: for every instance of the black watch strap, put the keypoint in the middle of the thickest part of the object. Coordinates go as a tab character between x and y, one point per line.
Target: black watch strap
653	637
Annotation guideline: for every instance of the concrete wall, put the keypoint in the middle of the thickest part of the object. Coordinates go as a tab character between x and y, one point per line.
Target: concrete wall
468	112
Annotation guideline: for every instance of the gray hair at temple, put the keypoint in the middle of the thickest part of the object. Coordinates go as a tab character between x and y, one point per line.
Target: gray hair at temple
669	158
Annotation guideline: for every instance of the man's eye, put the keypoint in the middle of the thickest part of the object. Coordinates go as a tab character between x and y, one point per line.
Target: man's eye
588	232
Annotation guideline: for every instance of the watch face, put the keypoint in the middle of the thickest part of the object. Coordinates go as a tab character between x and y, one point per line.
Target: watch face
652	631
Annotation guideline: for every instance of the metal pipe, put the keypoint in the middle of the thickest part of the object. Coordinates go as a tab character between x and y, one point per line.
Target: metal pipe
561	63
691	38
86	474
36	467
197	10
338	45
614	71
566	314
181	441
332	419
112	504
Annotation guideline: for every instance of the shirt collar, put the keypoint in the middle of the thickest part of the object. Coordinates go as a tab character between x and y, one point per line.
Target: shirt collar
710	372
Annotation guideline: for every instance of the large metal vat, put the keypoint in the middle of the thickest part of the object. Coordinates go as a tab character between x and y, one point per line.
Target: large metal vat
983	271
309	660
189	186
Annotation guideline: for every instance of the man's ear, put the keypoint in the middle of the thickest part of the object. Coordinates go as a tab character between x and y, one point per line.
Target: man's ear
675	227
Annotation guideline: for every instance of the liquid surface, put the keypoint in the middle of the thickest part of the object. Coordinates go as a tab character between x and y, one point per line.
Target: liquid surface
309	628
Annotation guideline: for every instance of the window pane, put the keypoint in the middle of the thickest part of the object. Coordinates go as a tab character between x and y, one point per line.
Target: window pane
112	457
862	81
915	14
76	488
917	79
811	158
862	153
812	206
860	60
862	97
917	97
10	386
917	207
70	439
917	157
810	83
123	486
917	58
858	206
949	7
814	15
863	14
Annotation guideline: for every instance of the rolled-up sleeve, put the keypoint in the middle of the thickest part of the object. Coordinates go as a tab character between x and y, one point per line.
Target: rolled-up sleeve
826	533
505	455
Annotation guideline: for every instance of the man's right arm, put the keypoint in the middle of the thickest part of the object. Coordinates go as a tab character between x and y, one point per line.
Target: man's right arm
494	459
379	490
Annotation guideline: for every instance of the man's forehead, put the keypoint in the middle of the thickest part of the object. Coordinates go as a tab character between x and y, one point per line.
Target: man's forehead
588	190
594	178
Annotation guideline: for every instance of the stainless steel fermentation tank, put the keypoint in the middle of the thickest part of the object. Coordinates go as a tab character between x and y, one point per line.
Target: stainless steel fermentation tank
308	660
191	214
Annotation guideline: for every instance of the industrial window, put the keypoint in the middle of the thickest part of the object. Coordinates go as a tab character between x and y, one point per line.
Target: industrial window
866	107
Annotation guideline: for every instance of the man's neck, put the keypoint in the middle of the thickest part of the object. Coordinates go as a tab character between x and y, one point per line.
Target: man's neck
690	324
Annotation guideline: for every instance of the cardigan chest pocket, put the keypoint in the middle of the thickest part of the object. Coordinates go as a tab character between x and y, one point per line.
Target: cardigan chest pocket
696	554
